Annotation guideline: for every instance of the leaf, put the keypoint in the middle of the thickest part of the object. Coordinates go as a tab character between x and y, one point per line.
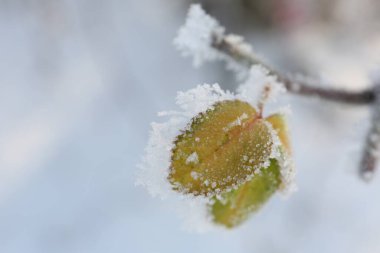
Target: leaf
235	207
221	149
278	123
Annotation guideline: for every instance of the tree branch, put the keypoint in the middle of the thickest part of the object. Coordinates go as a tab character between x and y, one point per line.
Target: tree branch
239	53
371	152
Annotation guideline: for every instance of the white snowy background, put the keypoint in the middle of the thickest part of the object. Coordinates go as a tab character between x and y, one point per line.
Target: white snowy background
80	82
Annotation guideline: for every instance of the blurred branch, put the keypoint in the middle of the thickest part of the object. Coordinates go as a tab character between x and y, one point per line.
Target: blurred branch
372	146
237	52
241	53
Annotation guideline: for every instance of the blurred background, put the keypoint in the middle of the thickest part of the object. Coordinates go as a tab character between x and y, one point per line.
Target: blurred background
80	82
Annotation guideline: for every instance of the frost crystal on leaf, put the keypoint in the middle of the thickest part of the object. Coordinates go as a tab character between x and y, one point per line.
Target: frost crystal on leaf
230	130
193	158
282	153
154	168
156	161
195	37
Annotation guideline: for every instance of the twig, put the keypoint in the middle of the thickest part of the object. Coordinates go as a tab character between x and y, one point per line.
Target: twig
247	58
241	53
372	146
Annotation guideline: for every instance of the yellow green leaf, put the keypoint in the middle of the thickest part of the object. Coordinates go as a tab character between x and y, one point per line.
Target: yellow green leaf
234	207
221	148
278	123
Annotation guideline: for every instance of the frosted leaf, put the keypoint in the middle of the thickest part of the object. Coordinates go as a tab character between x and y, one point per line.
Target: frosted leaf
195	37
234	207
252	89
228	132
284	153
154	168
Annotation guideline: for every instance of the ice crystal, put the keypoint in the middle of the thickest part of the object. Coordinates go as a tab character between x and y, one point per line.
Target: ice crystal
153	170
195	37
258	79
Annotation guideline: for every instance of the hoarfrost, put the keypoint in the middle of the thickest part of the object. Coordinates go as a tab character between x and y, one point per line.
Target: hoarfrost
194	175
241	71
193	158
286	164
196	216
195	37
200	99
154	167
154	171
252	89
236	122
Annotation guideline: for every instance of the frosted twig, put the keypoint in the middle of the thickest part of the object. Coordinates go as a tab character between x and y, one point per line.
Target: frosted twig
247	58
